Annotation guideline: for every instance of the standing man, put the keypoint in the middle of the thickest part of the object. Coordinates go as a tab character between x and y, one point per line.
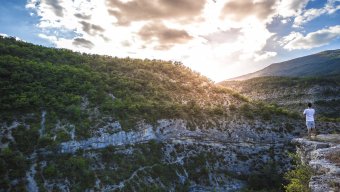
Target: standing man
309	112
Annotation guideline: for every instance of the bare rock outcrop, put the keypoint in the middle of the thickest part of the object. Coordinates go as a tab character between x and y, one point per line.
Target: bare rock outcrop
322	154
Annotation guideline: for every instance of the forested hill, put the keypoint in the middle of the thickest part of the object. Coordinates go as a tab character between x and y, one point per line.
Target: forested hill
35	78
317	65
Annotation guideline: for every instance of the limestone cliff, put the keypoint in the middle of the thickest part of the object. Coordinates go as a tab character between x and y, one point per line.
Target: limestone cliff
322	154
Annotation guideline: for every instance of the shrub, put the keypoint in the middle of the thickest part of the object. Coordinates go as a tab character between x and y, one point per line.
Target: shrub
46	141
267	178
298	178
25	139
246	111
50	172
232	107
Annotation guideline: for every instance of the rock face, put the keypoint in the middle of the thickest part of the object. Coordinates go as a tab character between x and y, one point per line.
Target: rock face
316	153
175	131
230	148
169	154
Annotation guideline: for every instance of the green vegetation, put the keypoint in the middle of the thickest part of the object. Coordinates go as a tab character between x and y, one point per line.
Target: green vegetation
331	114
267	83
292	92
33	78
265	111
76	169
267	179
25	139
329	119
298	178
134	169
13	166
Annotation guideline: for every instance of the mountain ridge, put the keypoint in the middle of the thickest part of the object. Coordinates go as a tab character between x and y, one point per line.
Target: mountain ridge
306	66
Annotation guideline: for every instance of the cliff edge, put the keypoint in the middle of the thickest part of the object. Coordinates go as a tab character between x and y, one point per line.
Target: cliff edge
322	154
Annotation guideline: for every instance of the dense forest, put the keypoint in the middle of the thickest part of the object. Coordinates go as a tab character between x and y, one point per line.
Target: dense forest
35	78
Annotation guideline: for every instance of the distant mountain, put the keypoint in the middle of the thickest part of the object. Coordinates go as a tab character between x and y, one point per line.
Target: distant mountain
321	64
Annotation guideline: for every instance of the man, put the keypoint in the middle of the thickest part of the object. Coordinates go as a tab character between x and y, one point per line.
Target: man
310	119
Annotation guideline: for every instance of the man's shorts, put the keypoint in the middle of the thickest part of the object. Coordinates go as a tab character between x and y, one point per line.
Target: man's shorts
310	124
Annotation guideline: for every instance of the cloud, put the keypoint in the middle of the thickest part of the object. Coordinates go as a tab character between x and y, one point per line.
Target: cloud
56	7
307	16
239	10
83	43
223	36
141	10
126	43
310	14
228	35
4	35
289	8
318	38
82	16
332	6
165	36
91	29
16	38
296	11
265	55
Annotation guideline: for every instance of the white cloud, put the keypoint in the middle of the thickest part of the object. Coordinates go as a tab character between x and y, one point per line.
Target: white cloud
307	16
5	35
310	14
265	55
289	8
296	40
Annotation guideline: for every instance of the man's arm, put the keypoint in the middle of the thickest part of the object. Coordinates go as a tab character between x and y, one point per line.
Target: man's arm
304	112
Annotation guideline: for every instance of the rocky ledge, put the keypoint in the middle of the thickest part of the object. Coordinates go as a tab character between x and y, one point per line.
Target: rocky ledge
322	154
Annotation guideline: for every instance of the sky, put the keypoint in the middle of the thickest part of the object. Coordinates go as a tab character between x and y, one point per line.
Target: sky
220	39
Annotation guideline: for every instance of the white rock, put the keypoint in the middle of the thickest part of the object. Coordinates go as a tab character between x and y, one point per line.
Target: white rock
314	153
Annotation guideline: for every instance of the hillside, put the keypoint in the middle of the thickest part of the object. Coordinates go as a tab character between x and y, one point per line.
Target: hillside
35	78
326	63
294	93
81	122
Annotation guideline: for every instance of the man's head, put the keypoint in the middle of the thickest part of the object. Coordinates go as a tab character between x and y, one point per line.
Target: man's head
309	104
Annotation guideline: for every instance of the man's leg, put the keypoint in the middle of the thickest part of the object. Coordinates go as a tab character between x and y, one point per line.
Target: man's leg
313	128
309	129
